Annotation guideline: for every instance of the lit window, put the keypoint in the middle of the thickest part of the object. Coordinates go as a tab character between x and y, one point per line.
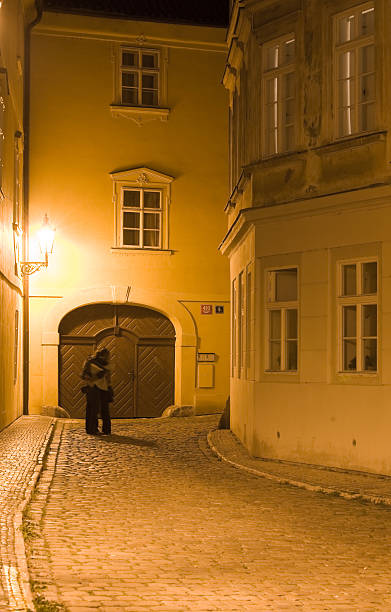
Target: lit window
282	318
139	77
279	96
141	218
355	71
141	198
358	316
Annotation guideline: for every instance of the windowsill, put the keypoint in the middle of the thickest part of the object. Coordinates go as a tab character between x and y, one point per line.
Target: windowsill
131	251
139	114
353	140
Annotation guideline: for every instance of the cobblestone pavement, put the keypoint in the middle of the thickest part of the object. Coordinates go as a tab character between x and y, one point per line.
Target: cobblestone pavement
149	519
22	447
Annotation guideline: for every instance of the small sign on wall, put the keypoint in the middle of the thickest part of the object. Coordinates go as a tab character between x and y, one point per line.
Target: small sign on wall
219	309
206	309
206	357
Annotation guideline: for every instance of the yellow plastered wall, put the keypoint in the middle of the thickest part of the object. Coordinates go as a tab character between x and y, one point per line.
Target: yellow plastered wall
76	143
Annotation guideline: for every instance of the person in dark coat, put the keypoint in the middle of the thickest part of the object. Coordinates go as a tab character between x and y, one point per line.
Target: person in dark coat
99	392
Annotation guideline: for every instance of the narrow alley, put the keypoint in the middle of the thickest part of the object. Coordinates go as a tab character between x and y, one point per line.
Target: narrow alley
149	519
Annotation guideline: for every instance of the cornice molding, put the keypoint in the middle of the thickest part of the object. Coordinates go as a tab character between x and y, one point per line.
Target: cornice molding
365	198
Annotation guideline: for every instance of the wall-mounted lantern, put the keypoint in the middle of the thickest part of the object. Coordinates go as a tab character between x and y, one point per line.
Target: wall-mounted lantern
46	241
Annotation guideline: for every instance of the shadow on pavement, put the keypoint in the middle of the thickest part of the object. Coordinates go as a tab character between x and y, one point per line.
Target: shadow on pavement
117	439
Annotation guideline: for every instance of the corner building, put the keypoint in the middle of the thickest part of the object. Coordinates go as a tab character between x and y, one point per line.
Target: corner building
128	159
308	236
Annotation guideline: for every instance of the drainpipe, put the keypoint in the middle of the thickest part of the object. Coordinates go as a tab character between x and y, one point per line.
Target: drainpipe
26	175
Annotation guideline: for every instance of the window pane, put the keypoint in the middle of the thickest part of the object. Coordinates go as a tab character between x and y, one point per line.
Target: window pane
346	27
288	85
151	238
132	198
286	285
151	199
346	93
288	111
370	320
129	79
349	280
131	220
151	221
275	356
369	277
271	142
349	322
271	90
367	88
131	237
346	121
272	57
275	324
149	60
288	51
367	22
149	81
346	65
349	355
291	355
367	59
129	96
367	117
149	98
291	324
370	355
129	58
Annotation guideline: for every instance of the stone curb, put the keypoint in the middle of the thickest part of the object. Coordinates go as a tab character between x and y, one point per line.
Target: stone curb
20	550
373	499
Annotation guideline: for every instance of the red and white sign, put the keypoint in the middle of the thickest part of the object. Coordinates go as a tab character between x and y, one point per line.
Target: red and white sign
206	309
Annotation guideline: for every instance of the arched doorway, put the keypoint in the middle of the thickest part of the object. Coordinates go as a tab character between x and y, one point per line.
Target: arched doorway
141	343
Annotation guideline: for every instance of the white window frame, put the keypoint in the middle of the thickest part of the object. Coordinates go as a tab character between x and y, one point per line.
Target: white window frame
142	180
278	74
234	327
139	70
283	307
359	301
3	93
141	211
249	334
353	46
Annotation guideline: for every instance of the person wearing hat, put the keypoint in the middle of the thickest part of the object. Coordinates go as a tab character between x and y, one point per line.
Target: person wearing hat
99	392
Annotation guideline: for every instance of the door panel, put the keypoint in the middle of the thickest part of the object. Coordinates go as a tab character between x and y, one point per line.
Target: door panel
122	352
155	379
72	357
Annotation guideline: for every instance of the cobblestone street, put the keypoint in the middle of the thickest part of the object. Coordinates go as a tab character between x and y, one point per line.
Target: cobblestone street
149	519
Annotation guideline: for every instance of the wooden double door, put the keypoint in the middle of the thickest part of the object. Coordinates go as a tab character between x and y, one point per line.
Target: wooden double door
141	342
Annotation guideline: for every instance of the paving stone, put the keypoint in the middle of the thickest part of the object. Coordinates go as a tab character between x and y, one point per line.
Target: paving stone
149	519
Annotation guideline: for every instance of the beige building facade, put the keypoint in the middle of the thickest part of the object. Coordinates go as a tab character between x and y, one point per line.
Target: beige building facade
128	160
14	18
308	236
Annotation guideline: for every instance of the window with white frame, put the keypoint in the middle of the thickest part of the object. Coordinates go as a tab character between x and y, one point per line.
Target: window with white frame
234	327
2	128
357	302
282	320
279	96
241	321
141	205
141	218
17	207
248	321
354	57
139	76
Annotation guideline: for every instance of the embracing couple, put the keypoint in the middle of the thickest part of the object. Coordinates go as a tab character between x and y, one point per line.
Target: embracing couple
99	392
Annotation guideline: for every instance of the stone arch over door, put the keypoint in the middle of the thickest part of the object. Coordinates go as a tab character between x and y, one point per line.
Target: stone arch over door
141	343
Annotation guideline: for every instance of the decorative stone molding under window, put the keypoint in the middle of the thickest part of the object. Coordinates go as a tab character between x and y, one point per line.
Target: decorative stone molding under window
139	114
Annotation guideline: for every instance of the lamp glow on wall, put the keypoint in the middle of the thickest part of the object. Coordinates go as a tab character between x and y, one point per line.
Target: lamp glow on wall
46	241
